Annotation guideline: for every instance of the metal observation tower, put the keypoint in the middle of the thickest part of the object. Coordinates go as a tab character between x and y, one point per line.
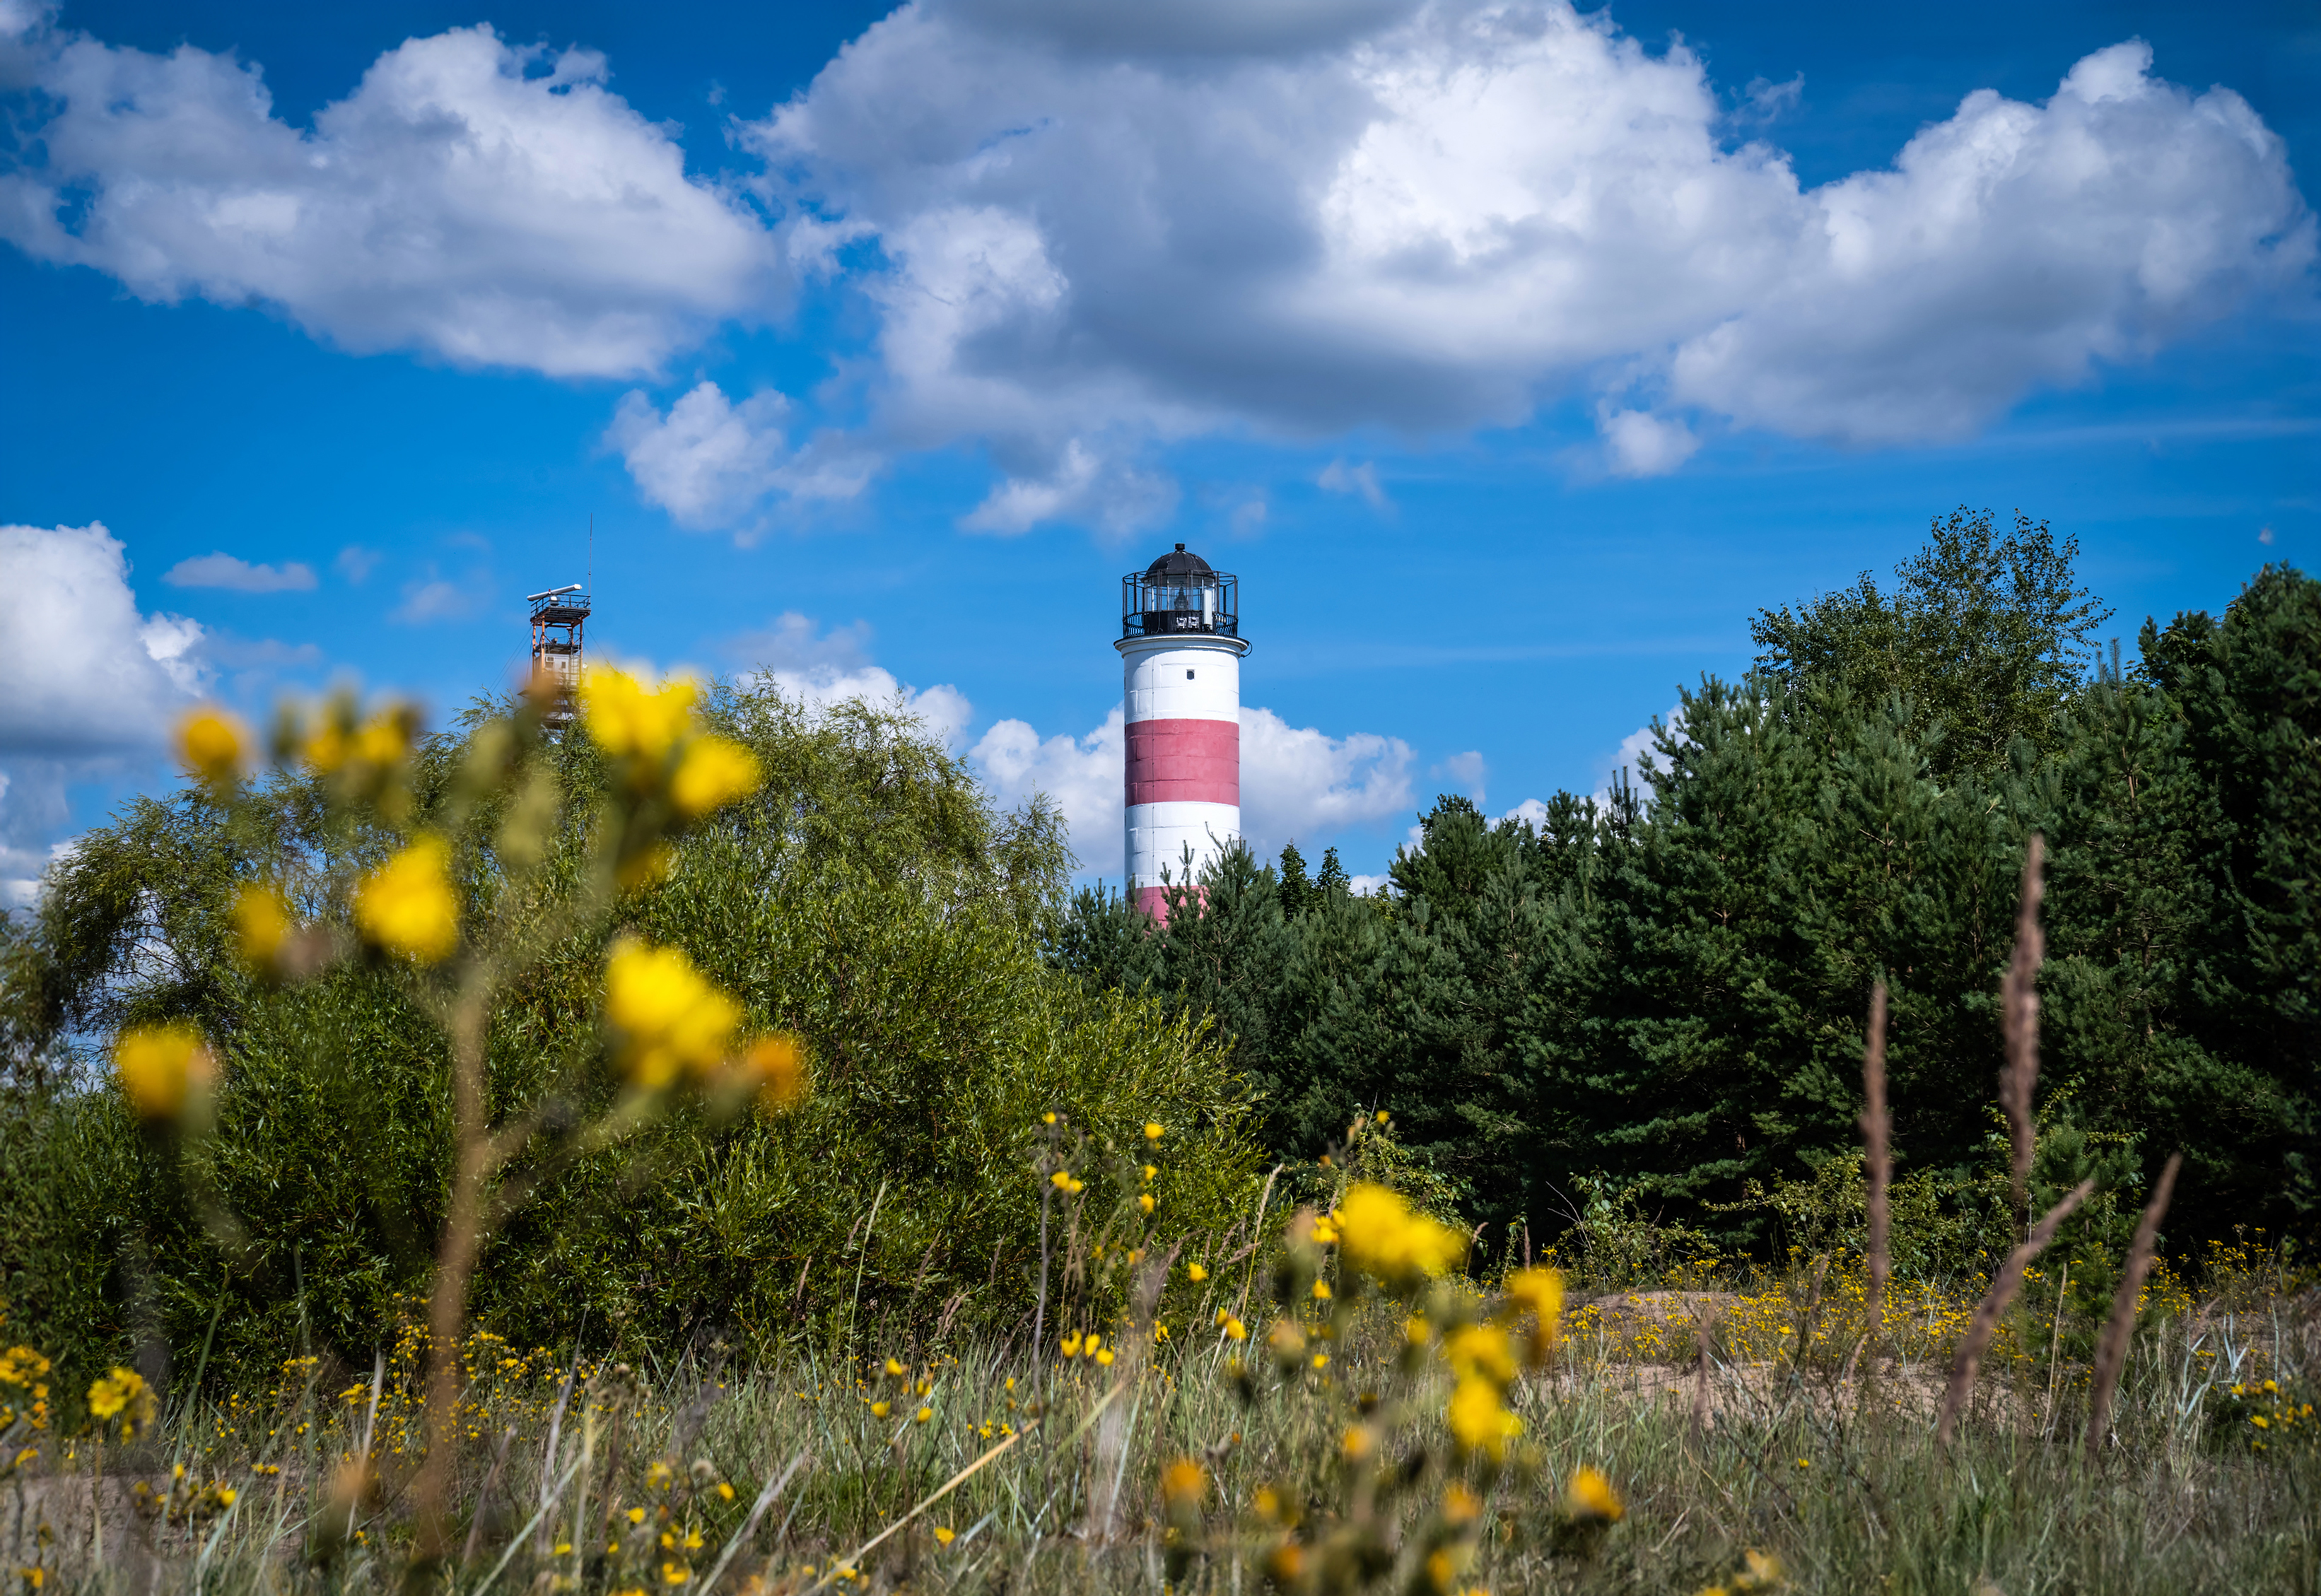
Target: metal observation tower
1180	648
558	617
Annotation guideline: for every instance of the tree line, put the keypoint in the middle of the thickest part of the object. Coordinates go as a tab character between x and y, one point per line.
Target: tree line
1662	994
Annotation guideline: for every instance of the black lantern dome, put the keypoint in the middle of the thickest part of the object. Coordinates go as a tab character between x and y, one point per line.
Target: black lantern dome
1179	593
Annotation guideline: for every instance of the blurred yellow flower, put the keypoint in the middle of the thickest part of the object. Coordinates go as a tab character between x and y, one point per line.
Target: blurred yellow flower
163	1068
1184	1481
406	906
1382	1235
122	1394
1481	1350
630	720
945	1535
20	1365
1153	1132
1235	1329
774	1068
675	1573
1539	1293
714	773
879	1409
1479	1421
383	739
1196	1273
1061	1180
1590	1495
1321	1291
211	744
924	1414
261	924
672	1022
1460	1505
1144	1201
1072	1346
1093	1342
1105	1357
894	1370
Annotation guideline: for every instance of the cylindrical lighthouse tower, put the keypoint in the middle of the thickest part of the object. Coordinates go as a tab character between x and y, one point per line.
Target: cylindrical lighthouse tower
1180	649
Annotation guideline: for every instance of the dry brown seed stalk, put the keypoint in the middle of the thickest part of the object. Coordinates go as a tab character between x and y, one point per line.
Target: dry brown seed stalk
1878	1153
2111	1351
1995	1303
2019	1003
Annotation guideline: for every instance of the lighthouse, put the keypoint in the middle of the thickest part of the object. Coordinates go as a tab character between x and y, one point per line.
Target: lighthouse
1180	648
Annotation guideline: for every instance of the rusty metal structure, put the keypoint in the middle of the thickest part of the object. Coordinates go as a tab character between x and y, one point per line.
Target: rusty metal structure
558	618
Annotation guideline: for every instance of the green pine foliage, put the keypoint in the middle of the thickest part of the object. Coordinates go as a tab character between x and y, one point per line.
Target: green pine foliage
1656	1001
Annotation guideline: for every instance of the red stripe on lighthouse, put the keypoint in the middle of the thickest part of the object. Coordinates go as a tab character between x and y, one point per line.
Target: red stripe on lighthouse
1184	761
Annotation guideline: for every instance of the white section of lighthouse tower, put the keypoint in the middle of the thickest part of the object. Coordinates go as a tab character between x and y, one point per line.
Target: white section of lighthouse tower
1180	693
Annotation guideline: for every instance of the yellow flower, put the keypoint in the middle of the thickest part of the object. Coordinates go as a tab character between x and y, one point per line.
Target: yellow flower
1589	1495
383	739
1153	1132
672	1020
894	1370
630	720
212	745
1539	1293
1481	1350
1072	1346
261	924
1105	1357
1321	1360
164	1069
407	906
1358	1443
1479	1421
1184	1481
1061	1180
774	1068
1321	1291
1150	1171
1380	1234
1094	1341
675	1573
1196	1273
1382	1116
122	1394
1049	1117
1460	1505
20	1365
923	1415
1235	1329
714	771
879	1409
945	1535
1144	1201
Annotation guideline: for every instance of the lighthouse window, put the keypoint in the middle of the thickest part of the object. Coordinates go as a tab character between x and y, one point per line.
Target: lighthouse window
1188	676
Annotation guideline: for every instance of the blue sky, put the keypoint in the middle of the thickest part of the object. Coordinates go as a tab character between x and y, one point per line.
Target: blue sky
1513	356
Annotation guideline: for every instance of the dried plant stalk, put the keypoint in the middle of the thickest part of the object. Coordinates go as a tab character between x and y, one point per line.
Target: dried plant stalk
1878	1159
1995	1302
2111	1351
2019	1003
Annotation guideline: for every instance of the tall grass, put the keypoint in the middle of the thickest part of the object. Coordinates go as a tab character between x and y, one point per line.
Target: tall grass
574	1475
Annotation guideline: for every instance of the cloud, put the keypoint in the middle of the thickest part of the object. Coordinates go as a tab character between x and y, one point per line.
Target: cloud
1094	232
92	685
485	203
356	563
1530	811
223	571
1337	478
1084	486
430	599
1467	770
1639	444
1293	782
710	462
1082	774
1627	762
86	673
1302	783
821	669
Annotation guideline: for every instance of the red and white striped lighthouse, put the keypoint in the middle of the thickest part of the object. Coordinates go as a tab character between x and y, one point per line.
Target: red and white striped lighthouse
1180	649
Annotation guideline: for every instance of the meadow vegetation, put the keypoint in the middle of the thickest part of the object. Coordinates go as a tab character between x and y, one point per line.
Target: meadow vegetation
701	1147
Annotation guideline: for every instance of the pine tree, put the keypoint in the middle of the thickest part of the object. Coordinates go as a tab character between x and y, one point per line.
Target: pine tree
1334	877
1296	891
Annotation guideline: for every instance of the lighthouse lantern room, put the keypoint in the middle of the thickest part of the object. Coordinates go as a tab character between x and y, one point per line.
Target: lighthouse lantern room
1180	648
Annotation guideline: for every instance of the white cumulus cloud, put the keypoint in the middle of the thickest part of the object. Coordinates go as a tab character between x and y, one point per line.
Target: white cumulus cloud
87	682
223	571
487	204
85	673
1081	774
1098	231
